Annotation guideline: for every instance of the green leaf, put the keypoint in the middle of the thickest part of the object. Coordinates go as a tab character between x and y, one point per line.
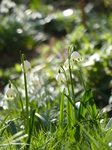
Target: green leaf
46	122
87	97
62	109
81	114
82	108
70	100
69	111
93	108
12	127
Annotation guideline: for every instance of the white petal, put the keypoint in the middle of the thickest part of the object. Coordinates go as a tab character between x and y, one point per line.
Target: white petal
66	65
75	56
10	93
60	77
27	66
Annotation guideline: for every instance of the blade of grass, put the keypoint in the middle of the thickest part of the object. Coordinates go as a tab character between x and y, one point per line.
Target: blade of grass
2	129
4	120
14	140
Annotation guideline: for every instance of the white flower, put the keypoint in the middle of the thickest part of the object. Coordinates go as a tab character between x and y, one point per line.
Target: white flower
66	64
75	56
60	77
27	65
10	93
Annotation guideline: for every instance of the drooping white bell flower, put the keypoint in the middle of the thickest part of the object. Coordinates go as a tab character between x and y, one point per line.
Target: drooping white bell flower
27	66
60	77
66	64
10	93
76	56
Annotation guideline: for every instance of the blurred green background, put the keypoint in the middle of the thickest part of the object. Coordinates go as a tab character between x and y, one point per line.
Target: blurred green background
43	29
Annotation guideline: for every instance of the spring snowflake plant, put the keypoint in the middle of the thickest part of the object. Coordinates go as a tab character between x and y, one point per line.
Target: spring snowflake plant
62	77
27	117
75	115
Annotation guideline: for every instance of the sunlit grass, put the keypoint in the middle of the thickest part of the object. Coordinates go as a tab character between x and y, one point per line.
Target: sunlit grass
44	114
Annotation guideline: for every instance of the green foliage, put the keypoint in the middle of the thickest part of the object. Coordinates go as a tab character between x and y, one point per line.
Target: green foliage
23	26
57	122
46	122
16	28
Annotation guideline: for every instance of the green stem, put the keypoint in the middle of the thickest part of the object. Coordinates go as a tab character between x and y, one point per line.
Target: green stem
26	93
69	106
82	80
27	101
72	86
73	95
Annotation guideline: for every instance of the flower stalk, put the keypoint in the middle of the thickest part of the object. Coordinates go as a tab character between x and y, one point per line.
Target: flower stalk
26	91
72	86
81	78
69	111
